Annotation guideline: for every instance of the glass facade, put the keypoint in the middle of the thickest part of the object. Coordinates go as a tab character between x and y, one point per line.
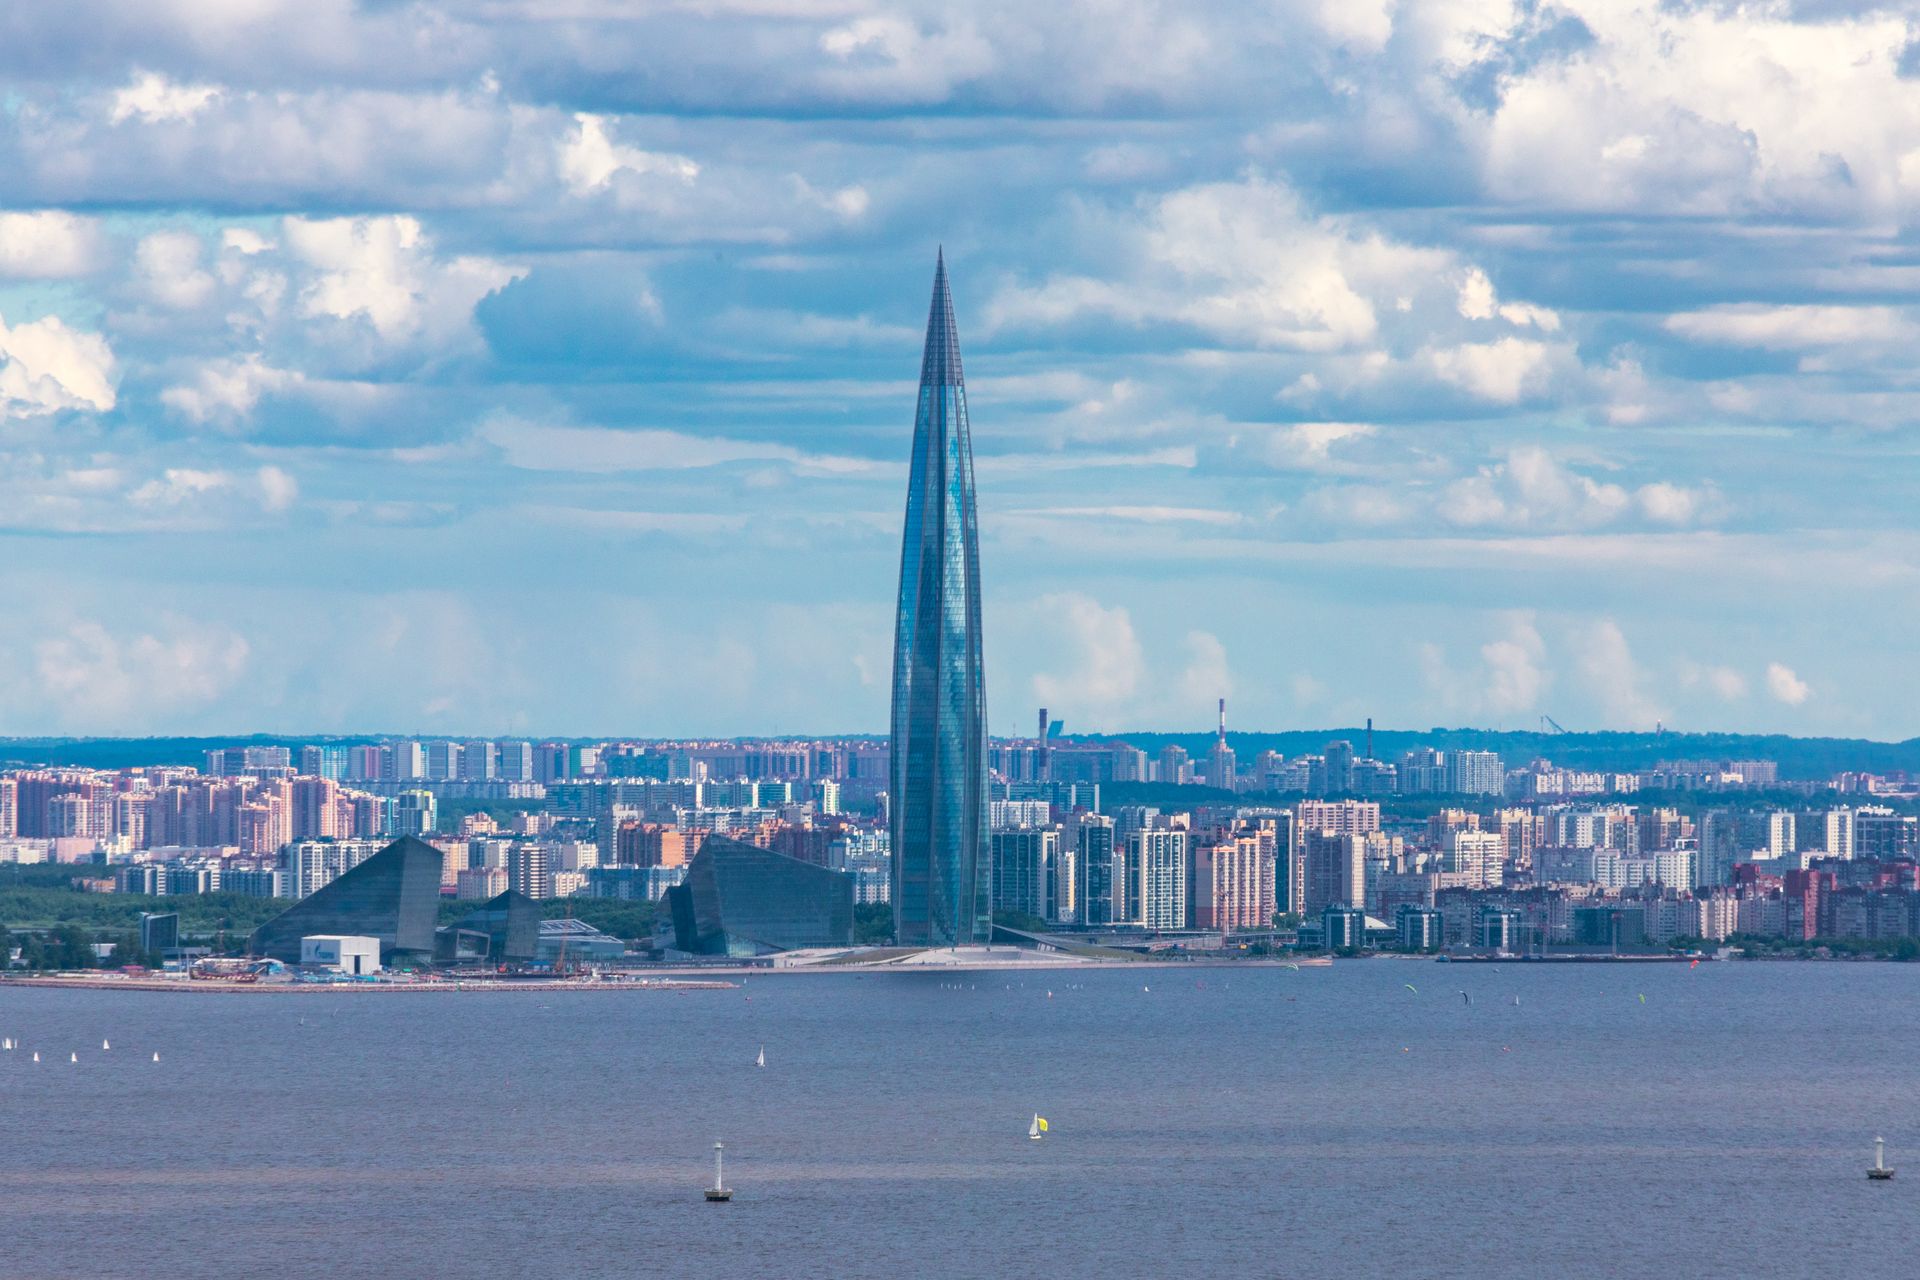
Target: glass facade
942	876
393	896
739	899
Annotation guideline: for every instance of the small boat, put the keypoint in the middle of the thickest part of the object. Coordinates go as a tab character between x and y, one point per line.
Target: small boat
73	1057
719	1192
1038	1129
156	1057
104	1046
761	1061
1880	1172
36	1055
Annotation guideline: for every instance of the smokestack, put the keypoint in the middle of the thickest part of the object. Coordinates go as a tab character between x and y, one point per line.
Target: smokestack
1043	724
1223	719
1369	737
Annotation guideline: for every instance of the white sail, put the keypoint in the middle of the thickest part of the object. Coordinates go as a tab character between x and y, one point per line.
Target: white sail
761	1061
1033	1130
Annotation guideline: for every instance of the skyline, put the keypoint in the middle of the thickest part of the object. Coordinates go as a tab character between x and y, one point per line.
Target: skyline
1449	367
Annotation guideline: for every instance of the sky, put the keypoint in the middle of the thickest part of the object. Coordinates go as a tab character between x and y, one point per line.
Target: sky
507	367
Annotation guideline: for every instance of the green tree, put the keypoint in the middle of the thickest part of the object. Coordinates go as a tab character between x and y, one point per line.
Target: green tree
872	923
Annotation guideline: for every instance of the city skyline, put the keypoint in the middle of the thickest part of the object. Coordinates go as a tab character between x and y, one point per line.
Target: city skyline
1502	349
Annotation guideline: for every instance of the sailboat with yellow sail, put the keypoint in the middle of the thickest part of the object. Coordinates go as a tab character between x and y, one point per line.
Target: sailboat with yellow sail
1038	1129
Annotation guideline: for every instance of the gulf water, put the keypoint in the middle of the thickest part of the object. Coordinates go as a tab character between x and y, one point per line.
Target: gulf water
1228	1121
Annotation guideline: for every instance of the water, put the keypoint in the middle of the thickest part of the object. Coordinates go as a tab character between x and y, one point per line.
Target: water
1244	1122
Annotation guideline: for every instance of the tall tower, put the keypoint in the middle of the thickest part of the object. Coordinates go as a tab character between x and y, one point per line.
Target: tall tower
942	876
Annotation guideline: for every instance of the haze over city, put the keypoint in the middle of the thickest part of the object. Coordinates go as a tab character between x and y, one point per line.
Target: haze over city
488	370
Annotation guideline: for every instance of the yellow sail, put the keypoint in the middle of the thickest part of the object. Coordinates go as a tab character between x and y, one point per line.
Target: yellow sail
1043	1124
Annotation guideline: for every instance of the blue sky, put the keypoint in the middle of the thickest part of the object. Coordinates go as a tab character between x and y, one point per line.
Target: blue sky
517	367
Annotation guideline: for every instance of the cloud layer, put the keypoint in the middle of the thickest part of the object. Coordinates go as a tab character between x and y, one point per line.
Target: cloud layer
1462	361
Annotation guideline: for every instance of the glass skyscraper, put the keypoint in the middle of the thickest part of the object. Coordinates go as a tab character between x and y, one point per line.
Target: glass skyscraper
942	875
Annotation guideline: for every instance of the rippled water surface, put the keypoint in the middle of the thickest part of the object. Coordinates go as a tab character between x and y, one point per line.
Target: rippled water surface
1245	1122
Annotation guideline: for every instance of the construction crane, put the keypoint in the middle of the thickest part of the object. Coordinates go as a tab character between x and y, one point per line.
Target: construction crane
1549	725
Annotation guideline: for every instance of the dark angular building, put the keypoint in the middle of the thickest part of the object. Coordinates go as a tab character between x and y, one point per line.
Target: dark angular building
393	896
505	929
937	788
741	900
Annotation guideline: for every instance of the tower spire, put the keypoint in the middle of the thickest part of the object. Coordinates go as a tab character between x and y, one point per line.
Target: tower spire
940	363
937	785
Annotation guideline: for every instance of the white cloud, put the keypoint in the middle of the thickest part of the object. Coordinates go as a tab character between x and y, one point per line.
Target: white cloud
269	488
536	446
1724	683
152	98
383	270
1102	660
1711	109
1243	262
167	270
227	390
589	159
1479	302
1509	679
105	682
890	57
1206	676
277	489
1504	371
1531	488
49	244
1611	677
1308	446
46	367
1785	686
1791	328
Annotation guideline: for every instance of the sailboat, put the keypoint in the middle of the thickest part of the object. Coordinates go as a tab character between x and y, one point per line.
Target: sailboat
719	1192
761	1061
73	1057
156	1057
36	1055
1038	1128
1880	1172
104	1046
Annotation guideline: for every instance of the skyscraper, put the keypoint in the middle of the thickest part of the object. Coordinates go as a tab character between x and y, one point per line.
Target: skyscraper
942	878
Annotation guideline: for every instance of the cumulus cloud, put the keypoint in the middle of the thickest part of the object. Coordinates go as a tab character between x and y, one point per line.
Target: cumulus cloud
1243	262
589	159
1504	371
1508	680
227	391
167	270
46	367
1784	686
1611	677
1531	488
269	488
1100	662
108	682
48	244
152	98
382	271
1309	446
